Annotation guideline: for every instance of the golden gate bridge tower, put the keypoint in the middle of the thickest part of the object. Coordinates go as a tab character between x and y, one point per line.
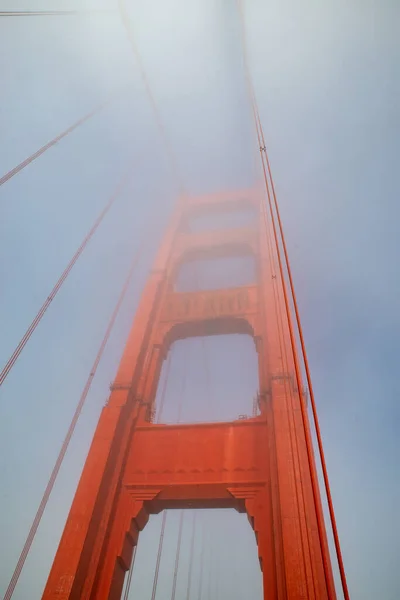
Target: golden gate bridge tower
259	465
263	465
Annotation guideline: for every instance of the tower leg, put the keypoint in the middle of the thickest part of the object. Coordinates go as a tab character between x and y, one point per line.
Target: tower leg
129	518
259	510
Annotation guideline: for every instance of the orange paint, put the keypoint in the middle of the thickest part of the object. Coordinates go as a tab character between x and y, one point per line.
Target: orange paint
259	465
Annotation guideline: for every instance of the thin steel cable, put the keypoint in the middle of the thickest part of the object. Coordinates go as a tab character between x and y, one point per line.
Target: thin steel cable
210	574
156	112
164	390
309	447
27	335
189	584
129	581
311	390
178	553
297	368
288	388
314	483
7	176
70	432
155	582
199	597
159	553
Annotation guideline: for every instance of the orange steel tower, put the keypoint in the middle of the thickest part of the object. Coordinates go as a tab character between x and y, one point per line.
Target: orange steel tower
258	465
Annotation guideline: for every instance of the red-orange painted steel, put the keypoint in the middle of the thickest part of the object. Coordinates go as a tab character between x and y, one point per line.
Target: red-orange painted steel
260	465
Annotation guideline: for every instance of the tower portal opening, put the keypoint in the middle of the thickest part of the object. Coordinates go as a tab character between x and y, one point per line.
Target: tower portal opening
212	378
208	553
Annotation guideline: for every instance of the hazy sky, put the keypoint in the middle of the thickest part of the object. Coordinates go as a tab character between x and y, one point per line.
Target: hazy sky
326	76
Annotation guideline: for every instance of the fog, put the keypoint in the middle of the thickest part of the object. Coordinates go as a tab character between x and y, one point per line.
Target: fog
326	79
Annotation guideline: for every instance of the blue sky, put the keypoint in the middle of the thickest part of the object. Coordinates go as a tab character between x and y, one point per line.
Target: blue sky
326	77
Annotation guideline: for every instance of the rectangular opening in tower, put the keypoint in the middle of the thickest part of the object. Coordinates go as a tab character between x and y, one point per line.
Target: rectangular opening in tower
208	379
218	556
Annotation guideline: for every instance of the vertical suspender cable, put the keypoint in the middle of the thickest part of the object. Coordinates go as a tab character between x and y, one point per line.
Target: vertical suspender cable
164	390
309	383
129	581
159	553
71	429
178	552
303	348
314	482
189	584
201	568
160	545
210	575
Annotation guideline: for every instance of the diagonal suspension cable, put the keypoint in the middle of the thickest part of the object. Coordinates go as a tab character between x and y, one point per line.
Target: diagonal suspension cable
54	141
24	340
70	432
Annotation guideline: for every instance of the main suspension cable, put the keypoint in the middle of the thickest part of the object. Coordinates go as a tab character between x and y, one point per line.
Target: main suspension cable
318	506
54	141
70	432
309	382
309	446
27	335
